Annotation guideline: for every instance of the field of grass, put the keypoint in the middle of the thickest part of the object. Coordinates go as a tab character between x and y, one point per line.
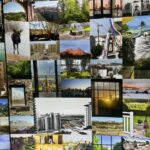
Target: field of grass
74	75
136	106
108	128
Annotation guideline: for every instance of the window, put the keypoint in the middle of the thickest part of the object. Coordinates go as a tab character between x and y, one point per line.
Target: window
106	97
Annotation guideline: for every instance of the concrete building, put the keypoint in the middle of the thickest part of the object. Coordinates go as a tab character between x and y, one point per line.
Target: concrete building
88	115
49	122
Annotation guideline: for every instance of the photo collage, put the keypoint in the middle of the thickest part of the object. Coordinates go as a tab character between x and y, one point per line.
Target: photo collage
74	75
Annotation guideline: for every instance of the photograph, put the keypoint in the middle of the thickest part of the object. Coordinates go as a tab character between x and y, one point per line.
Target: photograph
18	70
80	142
106	38
135	31
68	11
75	49
135	8
3	85
21	97
45	10
145	7
136	47
137	88
4	142
71	117
140	121
107	142
107	126
1	23
22	125
74	31
73	19
44	50
46	78
22	10
107	97
2	51
105	8
75	69
48	141
136	143
22	142
4	125
76	88
3	107
17	40
14	11
106	69
17	96
43	31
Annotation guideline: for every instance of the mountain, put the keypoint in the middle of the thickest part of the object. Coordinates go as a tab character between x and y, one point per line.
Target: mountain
74	53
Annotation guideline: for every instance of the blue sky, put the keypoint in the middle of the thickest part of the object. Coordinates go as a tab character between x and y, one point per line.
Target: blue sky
3	101
107	139
103	28
13	7
77	83
45	4
105	119
106	61
30	119
135	22
4	138
75	44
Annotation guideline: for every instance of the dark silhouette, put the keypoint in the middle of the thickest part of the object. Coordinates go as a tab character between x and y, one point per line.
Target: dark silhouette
16	40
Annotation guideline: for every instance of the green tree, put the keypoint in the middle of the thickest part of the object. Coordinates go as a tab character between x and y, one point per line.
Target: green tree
96	146
96	50
70	10
125	28
128	51
85	10
142	25
19	70
142	64
117	146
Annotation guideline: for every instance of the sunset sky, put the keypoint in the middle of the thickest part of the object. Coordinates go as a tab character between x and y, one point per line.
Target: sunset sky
136	84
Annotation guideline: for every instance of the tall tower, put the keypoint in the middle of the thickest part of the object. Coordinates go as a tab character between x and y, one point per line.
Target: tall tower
88	115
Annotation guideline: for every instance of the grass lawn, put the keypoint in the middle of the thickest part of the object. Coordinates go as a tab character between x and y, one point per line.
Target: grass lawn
74	75
137	106
86	29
